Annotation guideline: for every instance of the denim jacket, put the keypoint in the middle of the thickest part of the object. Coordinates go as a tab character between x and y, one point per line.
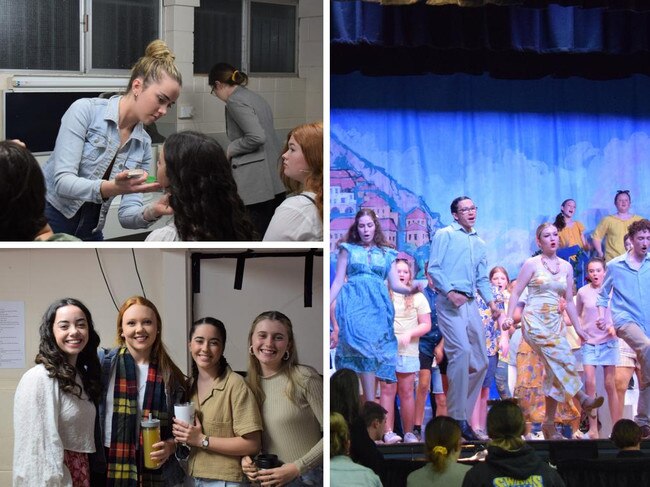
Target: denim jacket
88	141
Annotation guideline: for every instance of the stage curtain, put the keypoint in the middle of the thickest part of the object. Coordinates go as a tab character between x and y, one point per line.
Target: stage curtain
406	146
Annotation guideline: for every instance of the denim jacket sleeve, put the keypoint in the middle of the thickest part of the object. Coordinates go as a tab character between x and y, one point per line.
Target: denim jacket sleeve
69	180
131	212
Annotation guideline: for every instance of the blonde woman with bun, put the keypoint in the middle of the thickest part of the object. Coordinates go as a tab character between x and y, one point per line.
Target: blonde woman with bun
343	471
103	151
442	447
254	149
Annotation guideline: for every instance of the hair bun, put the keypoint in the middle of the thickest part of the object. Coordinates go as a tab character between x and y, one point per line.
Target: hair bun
158	49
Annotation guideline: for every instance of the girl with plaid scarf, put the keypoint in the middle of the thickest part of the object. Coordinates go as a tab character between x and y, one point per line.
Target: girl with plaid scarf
139	379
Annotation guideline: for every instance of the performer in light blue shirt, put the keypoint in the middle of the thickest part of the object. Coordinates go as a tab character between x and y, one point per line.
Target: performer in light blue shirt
627	282
458	267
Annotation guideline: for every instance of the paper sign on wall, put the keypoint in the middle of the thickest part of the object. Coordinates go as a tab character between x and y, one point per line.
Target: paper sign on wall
12	334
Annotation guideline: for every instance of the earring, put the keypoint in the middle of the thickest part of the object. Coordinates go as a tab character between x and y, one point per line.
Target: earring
250	350
285	357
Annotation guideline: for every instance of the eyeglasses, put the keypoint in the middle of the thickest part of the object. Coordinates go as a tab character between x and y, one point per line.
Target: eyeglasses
467	210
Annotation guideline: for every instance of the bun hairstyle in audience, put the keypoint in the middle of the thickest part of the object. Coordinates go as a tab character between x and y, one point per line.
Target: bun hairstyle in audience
227	74
158	59
626	433
203	192
339	435
442	441
506	425
22	194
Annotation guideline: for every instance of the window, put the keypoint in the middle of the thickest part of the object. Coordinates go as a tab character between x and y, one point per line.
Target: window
76	35
258	36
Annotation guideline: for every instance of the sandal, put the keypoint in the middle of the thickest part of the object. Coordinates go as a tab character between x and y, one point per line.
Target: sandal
592	403
550	432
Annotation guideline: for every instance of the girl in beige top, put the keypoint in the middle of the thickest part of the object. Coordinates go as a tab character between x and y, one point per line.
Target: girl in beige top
227	424
291	401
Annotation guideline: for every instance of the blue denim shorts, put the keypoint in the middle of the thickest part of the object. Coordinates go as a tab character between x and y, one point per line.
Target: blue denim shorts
407	364
601	354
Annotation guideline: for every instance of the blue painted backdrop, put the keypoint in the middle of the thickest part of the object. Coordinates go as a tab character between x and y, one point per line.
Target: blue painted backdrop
516	147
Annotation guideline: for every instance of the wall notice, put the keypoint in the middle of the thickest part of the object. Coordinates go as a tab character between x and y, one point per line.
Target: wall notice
12	334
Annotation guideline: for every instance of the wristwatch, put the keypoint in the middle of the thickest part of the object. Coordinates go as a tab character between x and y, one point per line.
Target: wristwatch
205	442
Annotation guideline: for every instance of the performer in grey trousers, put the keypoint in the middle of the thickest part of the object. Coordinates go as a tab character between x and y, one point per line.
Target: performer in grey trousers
458	267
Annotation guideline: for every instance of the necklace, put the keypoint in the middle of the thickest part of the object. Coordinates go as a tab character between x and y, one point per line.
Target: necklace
546	266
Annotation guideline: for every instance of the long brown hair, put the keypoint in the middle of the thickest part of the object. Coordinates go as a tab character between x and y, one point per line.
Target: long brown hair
352	235
289	367
309	137
172	375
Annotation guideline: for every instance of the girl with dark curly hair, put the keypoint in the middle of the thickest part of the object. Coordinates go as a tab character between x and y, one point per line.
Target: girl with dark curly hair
193	169
55	401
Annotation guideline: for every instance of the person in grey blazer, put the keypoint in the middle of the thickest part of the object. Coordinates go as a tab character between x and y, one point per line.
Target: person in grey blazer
254	149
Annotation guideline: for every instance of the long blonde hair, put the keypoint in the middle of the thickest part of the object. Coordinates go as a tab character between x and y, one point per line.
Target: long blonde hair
158	59
289	367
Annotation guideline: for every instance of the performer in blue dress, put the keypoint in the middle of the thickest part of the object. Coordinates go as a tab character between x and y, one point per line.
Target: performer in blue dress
364	311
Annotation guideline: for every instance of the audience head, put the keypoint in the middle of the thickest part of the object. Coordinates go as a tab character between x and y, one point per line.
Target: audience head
69	318
155	82
339	435
626	434
22	193
374	417
345	394
506	425
202	191
302	161
366	230
223	78
442	441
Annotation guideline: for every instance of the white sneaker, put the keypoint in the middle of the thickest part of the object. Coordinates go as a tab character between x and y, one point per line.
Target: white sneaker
410	438
390	438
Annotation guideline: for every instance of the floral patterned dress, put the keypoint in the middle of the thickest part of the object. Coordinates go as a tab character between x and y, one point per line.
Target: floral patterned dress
543	329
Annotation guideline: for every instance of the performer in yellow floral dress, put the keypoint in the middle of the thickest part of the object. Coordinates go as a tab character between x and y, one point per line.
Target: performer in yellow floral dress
548	277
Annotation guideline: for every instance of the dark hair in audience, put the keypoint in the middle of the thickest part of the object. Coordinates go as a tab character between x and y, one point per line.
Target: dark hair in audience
228	74
203	191
637	227
339	435
442	435
506	425
221	329
55	361
626	433
352	235
371	411
344	394
22	194
560	222
454	204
